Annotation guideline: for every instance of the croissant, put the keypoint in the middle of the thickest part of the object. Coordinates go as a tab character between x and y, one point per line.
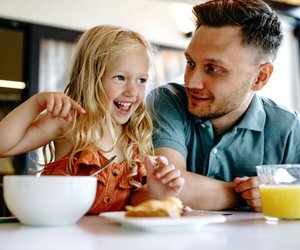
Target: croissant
168	207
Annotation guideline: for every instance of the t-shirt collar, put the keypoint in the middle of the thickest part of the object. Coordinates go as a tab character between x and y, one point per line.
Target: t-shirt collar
255	116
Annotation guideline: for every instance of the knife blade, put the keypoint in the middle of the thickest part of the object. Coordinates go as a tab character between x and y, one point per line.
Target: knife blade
195	212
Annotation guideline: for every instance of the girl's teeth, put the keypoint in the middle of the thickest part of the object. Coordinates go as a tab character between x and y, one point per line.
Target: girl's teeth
125	106
124	103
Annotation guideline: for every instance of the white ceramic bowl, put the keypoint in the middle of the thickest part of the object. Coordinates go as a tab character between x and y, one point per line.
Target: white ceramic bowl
49	200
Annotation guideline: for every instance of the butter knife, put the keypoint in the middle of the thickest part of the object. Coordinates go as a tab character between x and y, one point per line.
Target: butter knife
195	212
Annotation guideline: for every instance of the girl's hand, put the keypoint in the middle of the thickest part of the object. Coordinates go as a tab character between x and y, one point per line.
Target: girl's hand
58	104
162	179
249	190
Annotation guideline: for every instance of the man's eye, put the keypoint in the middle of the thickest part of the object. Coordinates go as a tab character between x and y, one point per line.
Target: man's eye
119	78
190	64
142	80
210	68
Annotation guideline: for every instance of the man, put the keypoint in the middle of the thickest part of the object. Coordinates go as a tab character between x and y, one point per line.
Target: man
216	129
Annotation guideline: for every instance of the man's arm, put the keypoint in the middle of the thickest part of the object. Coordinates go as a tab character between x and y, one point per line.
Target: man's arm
202	192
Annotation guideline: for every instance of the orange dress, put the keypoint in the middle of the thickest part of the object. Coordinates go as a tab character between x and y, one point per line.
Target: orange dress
113	187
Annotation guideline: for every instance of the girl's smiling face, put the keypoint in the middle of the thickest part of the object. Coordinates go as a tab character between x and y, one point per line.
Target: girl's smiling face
124	81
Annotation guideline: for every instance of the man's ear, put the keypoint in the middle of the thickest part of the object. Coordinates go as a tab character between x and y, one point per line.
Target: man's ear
265	71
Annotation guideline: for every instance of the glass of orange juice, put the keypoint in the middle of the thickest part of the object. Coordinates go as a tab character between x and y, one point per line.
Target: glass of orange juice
279	187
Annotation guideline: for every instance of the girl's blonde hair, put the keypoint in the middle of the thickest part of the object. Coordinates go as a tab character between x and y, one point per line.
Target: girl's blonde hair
93	50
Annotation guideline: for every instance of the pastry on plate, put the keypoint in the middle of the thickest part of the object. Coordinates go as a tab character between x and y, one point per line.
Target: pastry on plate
168	207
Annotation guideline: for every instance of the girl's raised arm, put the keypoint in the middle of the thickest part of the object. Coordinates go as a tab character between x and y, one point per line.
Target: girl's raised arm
22	131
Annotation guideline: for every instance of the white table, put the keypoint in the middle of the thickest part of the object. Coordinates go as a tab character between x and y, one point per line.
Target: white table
242	230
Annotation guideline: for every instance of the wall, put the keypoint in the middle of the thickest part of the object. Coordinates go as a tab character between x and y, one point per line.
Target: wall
156	20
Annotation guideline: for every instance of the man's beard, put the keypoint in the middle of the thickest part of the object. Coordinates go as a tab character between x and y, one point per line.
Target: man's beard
207	113
220	107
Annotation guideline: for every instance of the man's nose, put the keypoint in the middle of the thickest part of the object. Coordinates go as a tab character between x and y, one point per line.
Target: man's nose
194	79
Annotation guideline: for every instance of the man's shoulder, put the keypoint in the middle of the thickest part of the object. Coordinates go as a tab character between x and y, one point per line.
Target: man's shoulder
280	117
278	111
170	93
171	89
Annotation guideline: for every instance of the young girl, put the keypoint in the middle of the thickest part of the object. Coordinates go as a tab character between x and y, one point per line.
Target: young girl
100	114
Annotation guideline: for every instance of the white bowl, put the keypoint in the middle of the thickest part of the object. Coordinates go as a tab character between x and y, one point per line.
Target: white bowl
49	200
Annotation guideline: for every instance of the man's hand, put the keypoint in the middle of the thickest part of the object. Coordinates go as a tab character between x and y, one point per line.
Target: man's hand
249	190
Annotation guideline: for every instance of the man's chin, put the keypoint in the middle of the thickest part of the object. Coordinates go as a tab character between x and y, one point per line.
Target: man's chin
197	113
201	115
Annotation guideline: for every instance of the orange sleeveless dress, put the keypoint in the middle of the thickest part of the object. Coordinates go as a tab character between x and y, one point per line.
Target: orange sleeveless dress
113	187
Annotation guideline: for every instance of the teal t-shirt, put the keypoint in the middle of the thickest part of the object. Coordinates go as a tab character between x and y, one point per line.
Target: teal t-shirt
267	134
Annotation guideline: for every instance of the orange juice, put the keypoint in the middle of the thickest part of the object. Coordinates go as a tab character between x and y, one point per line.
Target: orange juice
281	201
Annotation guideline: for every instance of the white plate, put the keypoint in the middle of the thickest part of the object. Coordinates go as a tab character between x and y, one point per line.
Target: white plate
163	223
